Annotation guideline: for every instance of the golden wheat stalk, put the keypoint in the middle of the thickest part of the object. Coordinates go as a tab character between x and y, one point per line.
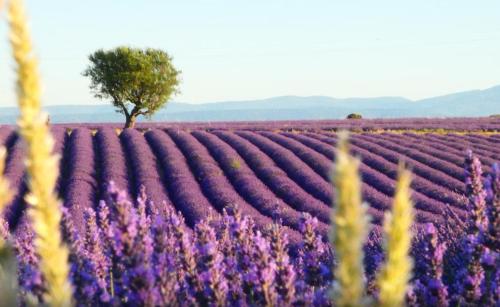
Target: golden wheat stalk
395	274
42	165
350	229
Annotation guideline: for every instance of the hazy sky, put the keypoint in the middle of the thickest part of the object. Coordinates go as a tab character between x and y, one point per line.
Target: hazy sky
234	50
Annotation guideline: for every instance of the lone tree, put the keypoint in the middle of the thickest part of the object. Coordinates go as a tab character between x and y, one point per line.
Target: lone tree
139	82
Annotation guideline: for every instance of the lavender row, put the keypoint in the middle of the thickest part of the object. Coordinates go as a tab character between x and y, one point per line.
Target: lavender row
183	188
111	158
60	136
248	185
80	186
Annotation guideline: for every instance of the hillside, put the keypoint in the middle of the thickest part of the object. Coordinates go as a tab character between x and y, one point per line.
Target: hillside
465	104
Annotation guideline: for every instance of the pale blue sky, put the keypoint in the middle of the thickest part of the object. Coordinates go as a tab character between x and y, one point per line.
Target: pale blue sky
234	50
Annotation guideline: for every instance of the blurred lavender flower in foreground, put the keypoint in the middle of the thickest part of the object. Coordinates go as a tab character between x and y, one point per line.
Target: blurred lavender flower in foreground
430	288
476	193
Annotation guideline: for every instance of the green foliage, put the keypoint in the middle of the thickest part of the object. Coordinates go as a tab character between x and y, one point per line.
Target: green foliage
138	82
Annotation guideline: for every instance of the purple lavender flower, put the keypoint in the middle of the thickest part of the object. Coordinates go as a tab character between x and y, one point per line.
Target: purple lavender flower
259	280
313	253
285	272
493	197
190	283
82	267
97	262
430	288
210	266
470	278
30	278
120	234
164	257
140	271
490	262
131	248
230	248
476	193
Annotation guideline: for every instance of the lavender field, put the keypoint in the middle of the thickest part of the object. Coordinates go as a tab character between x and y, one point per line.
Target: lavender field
247	177
268	173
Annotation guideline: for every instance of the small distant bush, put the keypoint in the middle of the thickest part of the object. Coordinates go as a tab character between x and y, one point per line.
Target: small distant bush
354	116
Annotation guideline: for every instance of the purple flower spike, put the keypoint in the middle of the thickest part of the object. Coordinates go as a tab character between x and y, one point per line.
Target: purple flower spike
210	266
285	272
470	278
30	278
97	263
490	261
259	280
493	191
430	288
476	193
313	253
164	258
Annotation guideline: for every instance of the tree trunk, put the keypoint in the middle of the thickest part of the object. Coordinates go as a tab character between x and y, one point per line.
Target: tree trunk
130	121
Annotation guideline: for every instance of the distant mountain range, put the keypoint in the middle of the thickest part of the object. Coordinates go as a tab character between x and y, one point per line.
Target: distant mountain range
476	103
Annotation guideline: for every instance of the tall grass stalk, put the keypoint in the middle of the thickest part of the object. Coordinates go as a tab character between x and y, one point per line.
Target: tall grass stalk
396	272
42	166
350	229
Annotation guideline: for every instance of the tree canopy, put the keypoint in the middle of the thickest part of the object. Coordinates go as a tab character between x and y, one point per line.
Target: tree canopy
138	81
